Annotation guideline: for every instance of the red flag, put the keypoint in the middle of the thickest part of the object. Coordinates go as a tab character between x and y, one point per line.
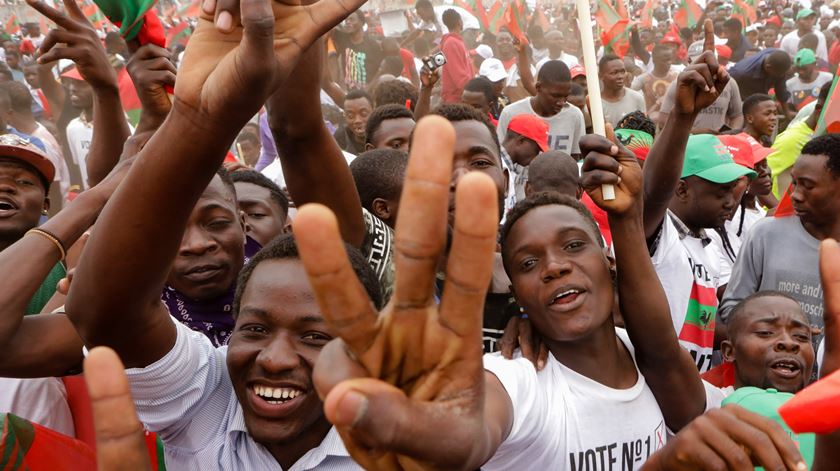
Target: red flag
814	409
476	8
496	17
621	9
605	15
646	15
617	38
688	14
785	206
830	117
515	21
745	12
12	25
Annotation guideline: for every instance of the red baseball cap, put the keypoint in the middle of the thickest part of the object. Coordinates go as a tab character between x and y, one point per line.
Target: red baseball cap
73	73
15	147
531	127
577	71
723	51
759	151
740	149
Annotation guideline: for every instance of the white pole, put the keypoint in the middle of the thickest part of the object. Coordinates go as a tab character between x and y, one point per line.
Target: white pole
596	109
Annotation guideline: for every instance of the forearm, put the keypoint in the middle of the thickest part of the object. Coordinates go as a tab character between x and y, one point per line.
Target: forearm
424	103
663	168
52	89
109	282
110	130
45	345
667	368
525	75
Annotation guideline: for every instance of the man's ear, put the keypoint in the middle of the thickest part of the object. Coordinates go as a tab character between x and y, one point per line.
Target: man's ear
381	209
727	351
46	204
368	146
242	222
682	190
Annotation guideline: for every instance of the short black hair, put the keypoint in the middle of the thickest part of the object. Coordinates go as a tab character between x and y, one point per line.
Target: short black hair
248	135
395	92
733	24
451	18
638	121
606	60
423	4
19	96
554	71
829	146
481	85
736	312
779	59
224	175
392	65
256	178
459	112
356	93
284	248
544	199
553	170
753	100
384	113
379	173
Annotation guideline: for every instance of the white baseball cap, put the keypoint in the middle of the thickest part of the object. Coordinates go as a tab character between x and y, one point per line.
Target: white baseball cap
493	69
484	51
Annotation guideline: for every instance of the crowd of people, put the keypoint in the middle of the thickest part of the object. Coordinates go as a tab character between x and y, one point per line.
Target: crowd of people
332	249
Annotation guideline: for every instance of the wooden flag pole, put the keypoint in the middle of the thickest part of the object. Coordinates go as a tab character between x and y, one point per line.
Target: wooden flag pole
596	109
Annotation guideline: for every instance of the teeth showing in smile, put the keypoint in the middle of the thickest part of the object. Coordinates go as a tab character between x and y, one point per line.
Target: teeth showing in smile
276	395
566	293
786	365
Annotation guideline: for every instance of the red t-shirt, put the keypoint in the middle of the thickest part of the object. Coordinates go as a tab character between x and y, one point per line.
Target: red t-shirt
408	62
458	69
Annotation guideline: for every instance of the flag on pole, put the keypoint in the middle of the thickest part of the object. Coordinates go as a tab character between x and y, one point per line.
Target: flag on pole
12	25
515	19
496	17
814	409
688	14
617	38
829	121
605	15
128	14
646	15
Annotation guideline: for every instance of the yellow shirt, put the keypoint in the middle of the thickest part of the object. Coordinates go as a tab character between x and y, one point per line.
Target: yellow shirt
786	149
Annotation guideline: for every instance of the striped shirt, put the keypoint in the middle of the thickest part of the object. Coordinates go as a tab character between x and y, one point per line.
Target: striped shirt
188	399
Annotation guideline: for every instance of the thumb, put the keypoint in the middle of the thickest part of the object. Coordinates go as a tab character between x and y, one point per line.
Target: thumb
257	33
610	133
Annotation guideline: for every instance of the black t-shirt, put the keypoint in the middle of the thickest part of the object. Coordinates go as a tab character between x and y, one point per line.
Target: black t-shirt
359	62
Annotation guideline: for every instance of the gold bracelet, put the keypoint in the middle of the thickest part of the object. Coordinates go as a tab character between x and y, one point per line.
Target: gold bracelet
52	239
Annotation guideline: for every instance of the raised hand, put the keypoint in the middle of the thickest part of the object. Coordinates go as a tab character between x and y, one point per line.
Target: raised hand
219	64
401	384
700	84
80	44
152	71
428	78
728	438
606	163
119	434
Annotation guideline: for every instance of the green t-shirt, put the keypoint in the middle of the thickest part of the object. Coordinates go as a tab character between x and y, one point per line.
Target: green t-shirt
46	290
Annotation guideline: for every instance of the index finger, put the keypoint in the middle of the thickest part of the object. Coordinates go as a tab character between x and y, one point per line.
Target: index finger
708	36
56	16
781	441
421	223
120	444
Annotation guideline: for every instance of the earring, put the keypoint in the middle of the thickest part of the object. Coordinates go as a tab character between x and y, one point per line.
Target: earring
522	313
45	212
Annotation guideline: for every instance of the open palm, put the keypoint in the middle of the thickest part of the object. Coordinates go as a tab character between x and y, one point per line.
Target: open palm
408	380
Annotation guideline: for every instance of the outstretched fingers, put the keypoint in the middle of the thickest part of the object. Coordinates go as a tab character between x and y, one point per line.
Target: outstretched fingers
58	17
341	297
708	36
421	224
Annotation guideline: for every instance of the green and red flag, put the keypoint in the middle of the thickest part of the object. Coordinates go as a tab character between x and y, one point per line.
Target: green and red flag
516	20
699	326
688	14
476	8
829	121
617	38
745	12
25	445
93	15
646	14
12	25
496	17
605	15
190	10
621	9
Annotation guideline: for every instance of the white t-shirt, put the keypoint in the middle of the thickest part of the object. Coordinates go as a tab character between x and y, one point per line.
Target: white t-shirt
62	173
802	93
751	216
790	44
79	137
716	395
689	270
631	101
39	400
563	420
568	59
564	128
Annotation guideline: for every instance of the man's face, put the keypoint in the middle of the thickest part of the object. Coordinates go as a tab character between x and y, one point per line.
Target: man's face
578	101
356	112
770	345
554	42
552	96
22	198
559	273
31	75
504	45
613	74
213	247
761	185
264	217
663	56
81	94
646	37
352	24
807	23
806	71
769	37
278	335
475	151
426	13
13	60
763	118
477	100
815	190
709	204
250	151
10	47
393	134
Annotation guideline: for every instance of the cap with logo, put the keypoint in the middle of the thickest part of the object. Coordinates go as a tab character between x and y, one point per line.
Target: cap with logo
741	150
493	69
531	127
577	71
638	142
708	158
805	13
766	403
804	57
15	147
484	51
759	151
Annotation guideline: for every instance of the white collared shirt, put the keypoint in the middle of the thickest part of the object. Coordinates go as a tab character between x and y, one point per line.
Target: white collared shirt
188	399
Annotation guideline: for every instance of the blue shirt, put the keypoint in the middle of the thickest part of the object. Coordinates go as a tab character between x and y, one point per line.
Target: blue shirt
752	79
34	140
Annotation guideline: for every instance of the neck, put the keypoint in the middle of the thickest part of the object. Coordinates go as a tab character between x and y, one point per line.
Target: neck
610	92
6	240
598	356
681	213
830	229
807	78
749	129
749	200
803	32
358	36
289	452
24	124
812	120
661	69
535	105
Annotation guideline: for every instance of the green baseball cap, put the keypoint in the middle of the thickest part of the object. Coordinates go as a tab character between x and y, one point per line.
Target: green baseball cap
706	157
804	13
804	57
766	403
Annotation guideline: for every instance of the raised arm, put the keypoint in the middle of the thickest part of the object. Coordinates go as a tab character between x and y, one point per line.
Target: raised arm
313	164
668	369
697	87
152	70
225	79
81	45
827	445
428	79
53	91
523	62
